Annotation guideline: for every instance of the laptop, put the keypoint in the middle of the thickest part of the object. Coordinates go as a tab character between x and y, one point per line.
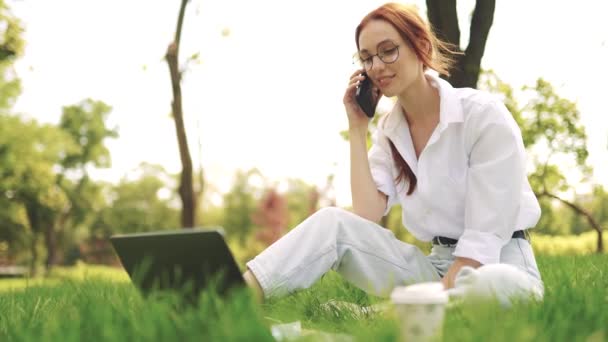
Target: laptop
187	260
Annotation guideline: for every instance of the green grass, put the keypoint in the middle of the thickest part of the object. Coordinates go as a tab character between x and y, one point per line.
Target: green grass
95	304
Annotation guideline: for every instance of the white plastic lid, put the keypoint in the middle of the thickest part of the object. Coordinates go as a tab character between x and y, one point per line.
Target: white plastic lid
421	293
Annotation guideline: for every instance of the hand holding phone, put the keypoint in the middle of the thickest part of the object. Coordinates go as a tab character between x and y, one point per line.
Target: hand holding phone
366	96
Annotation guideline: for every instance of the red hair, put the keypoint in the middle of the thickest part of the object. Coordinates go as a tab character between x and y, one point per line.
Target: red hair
432	52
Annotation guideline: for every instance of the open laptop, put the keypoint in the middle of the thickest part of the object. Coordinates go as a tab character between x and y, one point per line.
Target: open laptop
188	260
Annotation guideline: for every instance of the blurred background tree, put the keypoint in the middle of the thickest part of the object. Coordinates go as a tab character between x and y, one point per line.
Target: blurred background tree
272	216
138	204
240	203
552	134
11	48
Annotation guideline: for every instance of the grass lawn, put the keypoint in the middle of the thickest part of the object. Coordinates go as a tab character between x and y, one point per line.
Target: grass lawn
94	304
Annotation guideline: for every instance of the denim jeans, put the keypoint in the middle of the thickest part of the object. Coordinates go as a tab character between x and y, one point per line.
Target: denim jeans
372	258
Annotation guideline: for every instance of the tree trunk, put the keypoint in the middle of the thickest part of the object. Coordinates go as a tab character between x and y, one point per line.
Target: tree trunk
586	214
200	191
34	219
186	188
50	240
443	17
34	251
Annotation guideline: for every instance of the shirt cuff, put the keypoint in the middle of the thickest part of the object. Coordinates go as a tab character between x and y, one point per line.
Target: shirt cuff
483	247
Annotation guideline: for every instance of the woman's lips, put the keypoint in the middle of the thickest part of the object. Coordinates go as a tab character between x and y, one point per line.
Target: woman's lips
385	81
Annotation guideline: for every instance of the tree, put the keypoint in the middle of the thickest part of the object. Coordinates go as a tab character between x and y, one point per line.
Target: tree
186	187
240	204
599	205
13	224
556	219
30	183
142	201
11	48
85	124
135	205
443	17
302	201
51	186
271	216
551	131
45	180
13	237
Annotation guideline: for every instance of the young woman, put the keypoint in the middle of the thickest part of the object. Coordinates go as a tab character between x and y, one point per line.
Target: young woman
453	159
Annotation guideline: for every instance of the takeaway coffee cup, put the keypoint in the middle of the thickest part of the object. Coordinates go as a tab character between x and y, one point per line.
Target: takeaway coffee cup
420	310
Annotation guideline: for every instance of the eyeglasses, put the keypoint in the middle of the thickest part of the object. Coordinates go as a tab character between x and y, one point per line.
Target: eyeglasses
387	54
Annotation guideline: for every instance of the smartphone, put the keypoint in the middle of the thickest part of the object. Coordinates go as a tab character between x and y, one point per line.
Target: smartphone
366	98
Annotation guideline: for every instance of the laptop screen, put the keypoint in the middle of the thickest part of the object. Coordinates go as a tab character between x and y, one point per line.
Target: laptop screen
187	260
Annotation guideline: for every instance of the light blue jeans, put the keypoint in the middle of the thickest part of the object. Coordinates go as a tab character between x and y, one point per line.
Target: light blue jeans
372	258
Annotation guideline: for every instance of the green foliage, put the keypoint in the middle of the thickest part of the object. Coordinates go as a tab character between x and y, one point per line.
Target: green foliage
244	199
557	143
559	219
29	153
555	219
599	205
13	228
557	121
11	48
551	131
211	216
136	205
49	190
239	204
31	181
298	201
85	122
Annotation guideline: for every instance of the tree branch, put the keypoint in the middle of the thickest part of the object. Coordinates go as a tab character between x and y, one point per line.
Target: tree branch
545	170
180	22
580	211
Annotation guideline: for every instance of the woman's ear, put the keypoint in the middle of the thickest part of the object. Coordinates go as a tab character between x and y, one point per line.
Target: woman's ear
428	47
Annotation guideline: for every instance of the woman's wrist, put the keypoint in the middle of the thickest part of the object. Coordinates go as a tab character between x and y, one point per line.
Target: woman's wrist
357	131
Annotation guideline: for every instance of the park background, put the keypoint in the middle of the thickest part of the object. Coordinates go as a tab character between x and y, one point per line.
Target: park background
89	130
88	144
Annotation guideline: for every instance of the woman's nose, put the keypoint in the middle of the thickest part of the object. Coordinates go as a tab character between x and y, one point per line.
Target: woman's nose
377	65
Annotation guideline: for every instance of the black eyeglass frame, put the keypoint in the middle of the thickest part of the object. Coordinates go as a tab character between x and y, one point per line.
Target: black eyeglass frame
362	62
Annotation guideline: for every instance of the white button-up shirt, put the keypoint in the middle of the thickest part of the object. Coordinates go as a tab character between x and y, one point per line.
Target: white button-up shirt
472	183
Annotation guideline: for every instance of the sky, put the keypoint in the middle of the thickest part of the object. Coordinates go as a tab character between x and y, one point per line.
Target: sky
269	94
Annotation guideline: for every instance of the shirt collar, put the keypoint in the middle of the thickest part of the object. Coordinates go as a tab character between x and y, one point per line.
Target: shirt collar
450	109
